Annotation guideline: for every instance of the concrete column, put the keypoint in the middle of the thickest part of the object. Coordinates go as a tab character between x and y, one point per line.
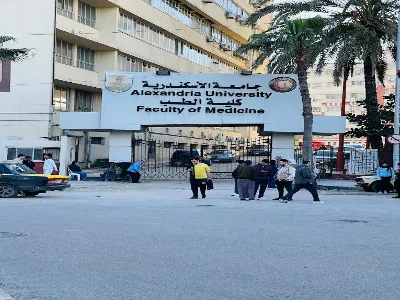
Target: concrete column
120	144
66	150
283	145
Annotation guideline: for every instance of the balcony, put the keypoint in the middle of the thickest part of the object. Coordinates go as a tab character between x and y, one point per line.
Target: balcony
76	77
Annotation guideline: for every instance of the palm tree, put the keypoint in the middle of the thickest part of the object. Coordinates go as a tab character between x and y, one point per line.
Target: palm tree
292	47
361	29
14	55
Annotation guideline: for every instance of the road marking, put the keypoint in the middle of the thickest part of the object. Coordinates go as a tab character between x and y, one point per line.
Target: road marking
5	296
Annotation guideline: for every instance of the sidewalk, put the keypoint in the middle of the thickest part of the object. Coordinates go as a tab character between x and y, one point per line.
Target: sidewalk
325	184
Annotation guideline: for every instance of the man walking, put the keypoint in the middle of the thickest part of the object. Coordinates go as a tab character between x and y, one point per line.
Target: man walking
246	175
284	178
304	179
202	173
263	172
49	166
240	163
134	171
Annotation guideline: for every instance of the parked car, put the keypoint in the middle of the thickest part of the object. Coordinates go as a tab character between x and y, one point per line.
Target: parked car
18	179
182	158
258	151
222	155
369	183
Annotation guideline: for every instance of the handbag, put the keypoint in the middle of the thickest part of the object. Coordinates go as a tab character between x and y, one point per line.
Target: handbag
210	184
54	172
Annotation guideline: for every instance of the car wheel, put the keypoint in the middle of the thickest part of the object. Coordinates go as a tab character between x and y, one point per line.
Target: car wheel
367	188
8	191
374	187
31	194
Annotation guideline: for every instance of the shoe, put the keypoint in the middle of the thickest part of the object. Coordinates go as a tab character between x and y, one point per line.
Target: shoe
277	199
251	199
194	197
259	198
286	201
233	195
318	201
396	197
380	193
203	196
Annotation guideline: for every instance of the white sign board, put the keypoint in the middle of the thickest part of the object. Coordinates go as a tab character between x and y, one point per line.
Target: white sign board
131	100
394	139
363	161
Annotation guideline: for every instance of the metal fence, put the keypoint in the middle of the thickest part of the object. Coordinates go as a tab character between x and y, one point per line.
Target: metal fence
356	161
168	160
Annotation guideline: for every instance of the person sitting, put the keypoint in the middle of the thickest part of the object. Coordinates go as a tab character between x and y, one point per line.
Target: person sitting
110	174
76	169
134	171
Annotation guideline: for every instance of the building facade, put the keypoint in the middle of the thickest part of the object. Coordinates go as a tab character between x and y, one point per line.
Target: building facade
327	97
76	41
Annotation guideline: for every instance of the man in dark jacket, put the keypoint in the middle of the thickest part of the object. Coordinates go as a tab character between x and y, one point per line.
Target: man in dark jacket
246	175
263	171
240	163
28	162
304	179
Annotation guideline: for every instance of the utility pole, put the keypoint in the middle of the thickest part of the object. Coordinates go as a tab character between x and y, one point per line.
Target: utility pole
397	96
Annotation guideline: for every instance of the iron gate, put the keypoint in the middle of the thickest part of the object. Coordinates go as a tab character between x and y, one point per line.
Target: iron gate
168	160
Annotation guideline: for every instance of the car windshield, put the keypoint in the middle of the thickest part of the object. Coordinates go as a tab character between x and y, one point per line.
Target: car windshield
20	169
221	152
324	153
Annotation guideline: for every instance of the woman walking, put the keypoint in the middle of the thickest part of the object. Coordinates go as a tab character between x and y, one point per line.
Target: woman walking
385	175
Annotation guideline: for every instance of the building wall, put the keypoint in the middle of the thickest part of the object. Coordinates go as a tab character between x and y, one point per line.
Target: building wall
26	109
326	97
124	35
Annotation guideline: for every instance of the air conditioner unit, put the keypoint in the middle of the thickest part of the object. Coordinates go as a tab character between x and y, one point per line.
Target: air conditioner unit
239	18
208	1
229	15
210	39
254	2
226	47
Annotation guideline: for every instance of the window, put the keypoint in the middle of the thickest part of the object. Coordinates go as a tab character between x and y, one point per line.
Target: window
36	154
181	146
316	85
97	140
358	82
136	28
83	101
332	97
180	132
131	64
55	152
168	145
61	99
63	53
65	8
167	130
85	58
86	14
192	133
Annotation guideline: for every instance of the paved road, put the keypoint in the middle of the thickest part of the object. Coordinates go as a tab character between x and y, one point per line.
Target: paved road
121	241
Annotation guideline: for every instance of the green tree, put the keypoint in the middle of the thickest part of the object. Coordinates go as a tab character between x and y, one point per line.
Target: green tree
9	54
291	47
356	29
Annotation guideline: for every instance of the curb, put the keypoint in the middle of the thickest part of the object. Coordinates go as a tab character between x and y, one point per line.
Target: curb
338	188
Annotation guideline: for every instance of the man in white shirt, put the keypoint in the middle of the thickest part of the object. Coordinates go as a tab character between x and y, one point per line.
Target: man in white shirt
49	165
284	178
19	159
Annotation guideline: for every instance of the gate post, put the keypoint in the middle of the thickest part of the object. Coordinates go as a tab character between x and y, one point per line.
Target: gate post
283	145
120	146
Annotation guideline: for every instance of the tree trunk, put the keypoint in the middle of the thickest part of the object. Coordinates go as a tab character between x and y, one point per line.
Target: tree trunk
371	101
307	110
340	154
